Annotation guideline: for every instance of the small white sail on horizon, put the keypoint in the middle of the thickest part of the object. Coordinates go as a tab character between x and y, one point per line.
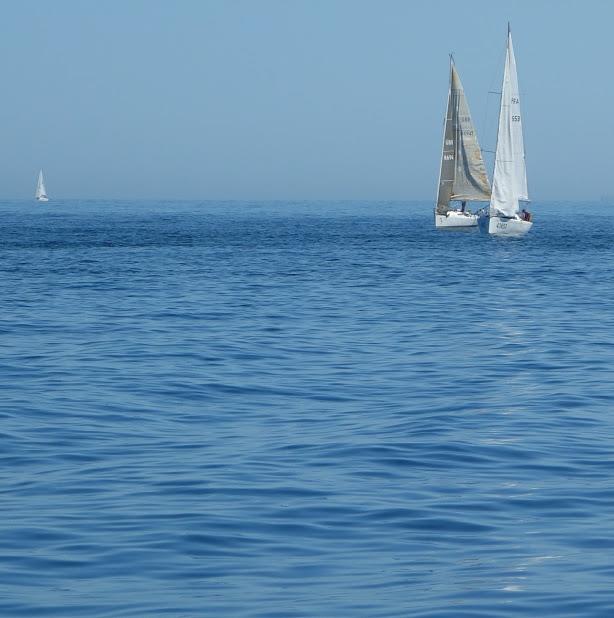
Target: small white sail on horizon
462	175
41	191
509	185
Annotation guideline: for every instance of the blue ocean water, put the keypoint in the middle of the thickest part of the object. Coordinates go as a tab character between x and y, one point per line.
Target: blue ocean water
304	409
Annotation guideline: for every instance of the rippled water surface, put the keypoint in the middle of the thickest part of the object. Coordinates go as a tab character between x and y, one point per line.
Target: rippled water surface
293	409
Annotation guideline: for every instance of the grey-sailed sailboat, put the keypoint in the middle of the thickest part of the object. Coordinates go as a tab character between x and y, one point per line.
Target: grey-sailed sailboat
462	176
504	217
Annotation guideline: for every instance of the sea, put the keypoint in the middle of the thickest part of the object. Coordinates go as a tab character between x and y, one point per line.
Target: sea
304	409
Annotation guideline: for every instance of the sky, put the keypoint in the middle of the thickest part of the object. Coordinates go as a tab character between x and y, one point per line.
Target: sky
293	99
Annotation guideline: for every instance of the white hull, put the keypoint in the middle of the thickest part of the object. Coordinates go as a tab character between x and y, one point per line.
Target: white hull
503	226
42	199
456	218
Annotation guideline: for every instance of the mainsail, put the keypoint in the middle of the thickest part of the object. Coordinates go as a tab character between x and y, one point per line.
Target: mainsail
510	177
463	173
40	186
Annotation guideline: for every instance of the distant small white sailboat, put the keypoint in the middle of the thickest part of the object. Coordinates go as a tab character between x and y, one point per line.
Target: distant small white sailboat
462	175
509	186
41	192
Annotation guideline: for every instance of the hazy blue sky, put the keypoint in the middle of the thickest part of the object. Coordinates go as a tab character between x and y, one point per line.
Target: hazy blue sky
264	99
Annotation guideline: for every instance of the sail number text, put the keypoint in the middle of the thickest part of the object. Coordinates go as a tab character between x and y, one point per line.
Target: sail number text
515	118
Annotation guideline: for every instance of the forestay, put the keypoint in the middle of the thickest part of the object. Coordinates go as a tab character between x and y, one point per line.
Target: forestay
463	173
510	176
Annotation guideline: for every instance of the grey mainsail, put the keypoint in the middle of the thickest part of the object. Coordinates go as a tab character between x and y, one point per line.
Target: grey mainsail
463	173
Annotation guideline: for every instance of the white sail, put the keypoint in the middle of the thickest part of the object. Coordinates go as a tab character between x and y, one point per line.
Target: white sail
463	173
41	192
510	177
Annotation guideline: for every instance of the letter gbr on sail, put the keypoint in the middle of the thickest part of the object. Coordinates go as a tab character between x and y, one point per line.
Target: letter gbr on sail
463	174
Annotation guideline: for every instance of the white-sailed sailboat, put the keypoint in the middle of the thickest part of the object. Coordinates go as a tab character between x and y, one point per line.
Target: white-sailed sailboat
462	175
509	186
41	192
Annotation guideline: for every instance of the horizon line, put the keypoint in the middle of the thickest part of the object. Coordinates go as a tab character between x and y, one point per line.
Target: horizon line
602	198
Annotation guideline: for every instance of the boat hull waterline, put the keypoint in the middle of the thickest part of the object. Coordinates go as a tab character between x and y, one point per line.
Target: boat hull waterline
456	219
504	226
